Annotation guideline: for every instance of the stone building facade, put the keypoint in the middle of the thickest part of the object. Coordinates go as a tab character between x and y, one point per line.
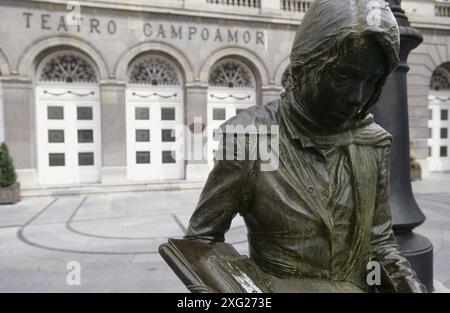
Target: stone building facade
91	91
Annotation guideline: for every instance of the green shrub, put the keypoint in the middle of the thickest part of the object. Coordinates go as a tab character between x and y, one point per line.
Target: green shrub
8	175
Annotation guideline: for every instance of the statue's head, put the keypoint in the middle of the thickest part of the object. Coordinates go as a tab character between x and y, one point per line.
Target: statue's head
342	54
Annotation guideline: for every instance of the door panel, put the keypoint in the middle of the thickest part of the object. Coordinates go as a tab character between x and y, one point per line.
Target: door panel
152	116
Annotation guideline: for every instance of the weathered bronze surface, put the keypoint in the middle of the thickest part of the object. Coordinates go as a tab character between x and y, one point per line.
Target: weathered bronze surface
316	221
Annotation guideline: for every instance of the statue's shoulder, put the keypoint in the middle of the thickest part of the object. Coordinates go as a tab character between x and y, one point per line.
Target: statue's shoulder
256	116
372	134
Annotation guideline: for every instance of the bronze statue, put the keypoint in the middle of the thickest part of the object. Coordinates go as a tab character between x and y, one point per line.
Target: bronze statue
318	219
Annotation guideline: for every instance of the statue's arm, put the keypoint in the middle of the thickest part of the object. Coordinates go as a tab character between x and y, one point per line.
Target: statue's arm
398	274
220	200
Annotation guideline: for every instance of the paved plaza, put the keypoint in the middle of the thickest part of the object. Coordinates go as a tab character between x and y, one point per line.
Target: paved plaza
115	238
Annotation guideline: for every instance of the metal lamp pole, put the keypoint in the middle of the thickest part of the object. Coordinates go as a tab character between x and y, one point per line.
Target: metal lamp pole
392	114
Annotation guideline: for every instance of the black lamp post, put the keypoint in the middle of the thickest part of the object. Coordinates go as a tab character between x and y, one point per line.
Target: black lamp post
392	114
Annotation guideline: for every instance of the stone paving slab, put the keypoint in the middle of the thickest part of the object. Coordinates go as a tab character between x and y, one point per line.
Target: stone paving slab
115	237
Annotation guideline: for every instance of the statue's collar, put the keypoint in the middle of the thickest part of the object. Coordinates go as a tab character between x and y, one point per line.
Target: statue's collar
299	126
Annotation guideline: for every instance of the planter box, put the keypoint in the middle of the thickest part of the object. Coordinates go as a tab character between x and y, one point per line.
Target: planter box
10	195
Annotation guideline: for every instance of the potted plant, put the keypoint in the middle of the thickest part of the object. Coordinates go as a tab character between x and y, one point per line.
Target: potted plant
416	170
9	187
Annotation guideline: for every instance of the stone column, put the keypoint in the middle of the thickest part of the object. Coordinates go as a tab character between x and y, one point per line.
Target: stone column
270	6
114	139
196	111
20	128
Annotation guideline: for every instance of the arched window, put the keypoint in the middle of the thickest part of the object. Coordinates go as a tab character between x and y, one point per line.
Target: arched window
440	79
67	67
231	74
155	71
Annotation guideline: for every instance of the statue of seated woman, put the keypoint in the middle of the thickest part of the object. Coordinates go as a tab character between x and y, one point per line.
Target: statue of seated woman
322	214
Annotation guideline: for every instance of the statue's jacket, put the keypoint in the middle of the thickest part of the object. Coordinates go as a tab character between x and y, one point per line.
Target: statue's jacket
317	209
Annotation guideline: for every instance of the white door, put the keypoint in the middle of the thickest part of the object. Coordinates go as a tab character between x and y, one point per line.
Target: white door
223	104
154	114
438	126
68	133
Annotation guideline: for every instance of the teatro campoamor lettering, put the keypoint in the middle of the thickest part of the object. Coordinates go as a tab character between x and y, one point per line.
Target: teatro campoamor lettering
150	30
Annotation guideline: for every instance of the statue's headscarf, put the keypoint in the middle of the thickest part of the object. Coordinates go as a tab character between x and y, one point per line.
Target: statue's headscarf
320	39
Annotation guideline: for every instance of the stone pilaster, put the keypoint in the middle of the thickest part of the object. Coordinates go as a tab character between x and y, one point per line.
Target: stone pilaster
114	143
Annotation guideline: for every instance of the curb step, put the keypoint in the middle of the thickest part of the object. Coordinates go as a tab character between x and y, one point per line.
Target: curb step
71	190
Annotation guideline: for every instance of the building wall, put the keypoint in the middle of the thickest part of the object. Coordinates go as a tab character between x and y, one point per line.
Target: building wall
195	35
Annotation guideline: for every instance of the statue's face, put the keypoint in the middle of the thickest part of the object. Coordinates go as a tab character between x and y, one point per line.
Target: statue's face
345	89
